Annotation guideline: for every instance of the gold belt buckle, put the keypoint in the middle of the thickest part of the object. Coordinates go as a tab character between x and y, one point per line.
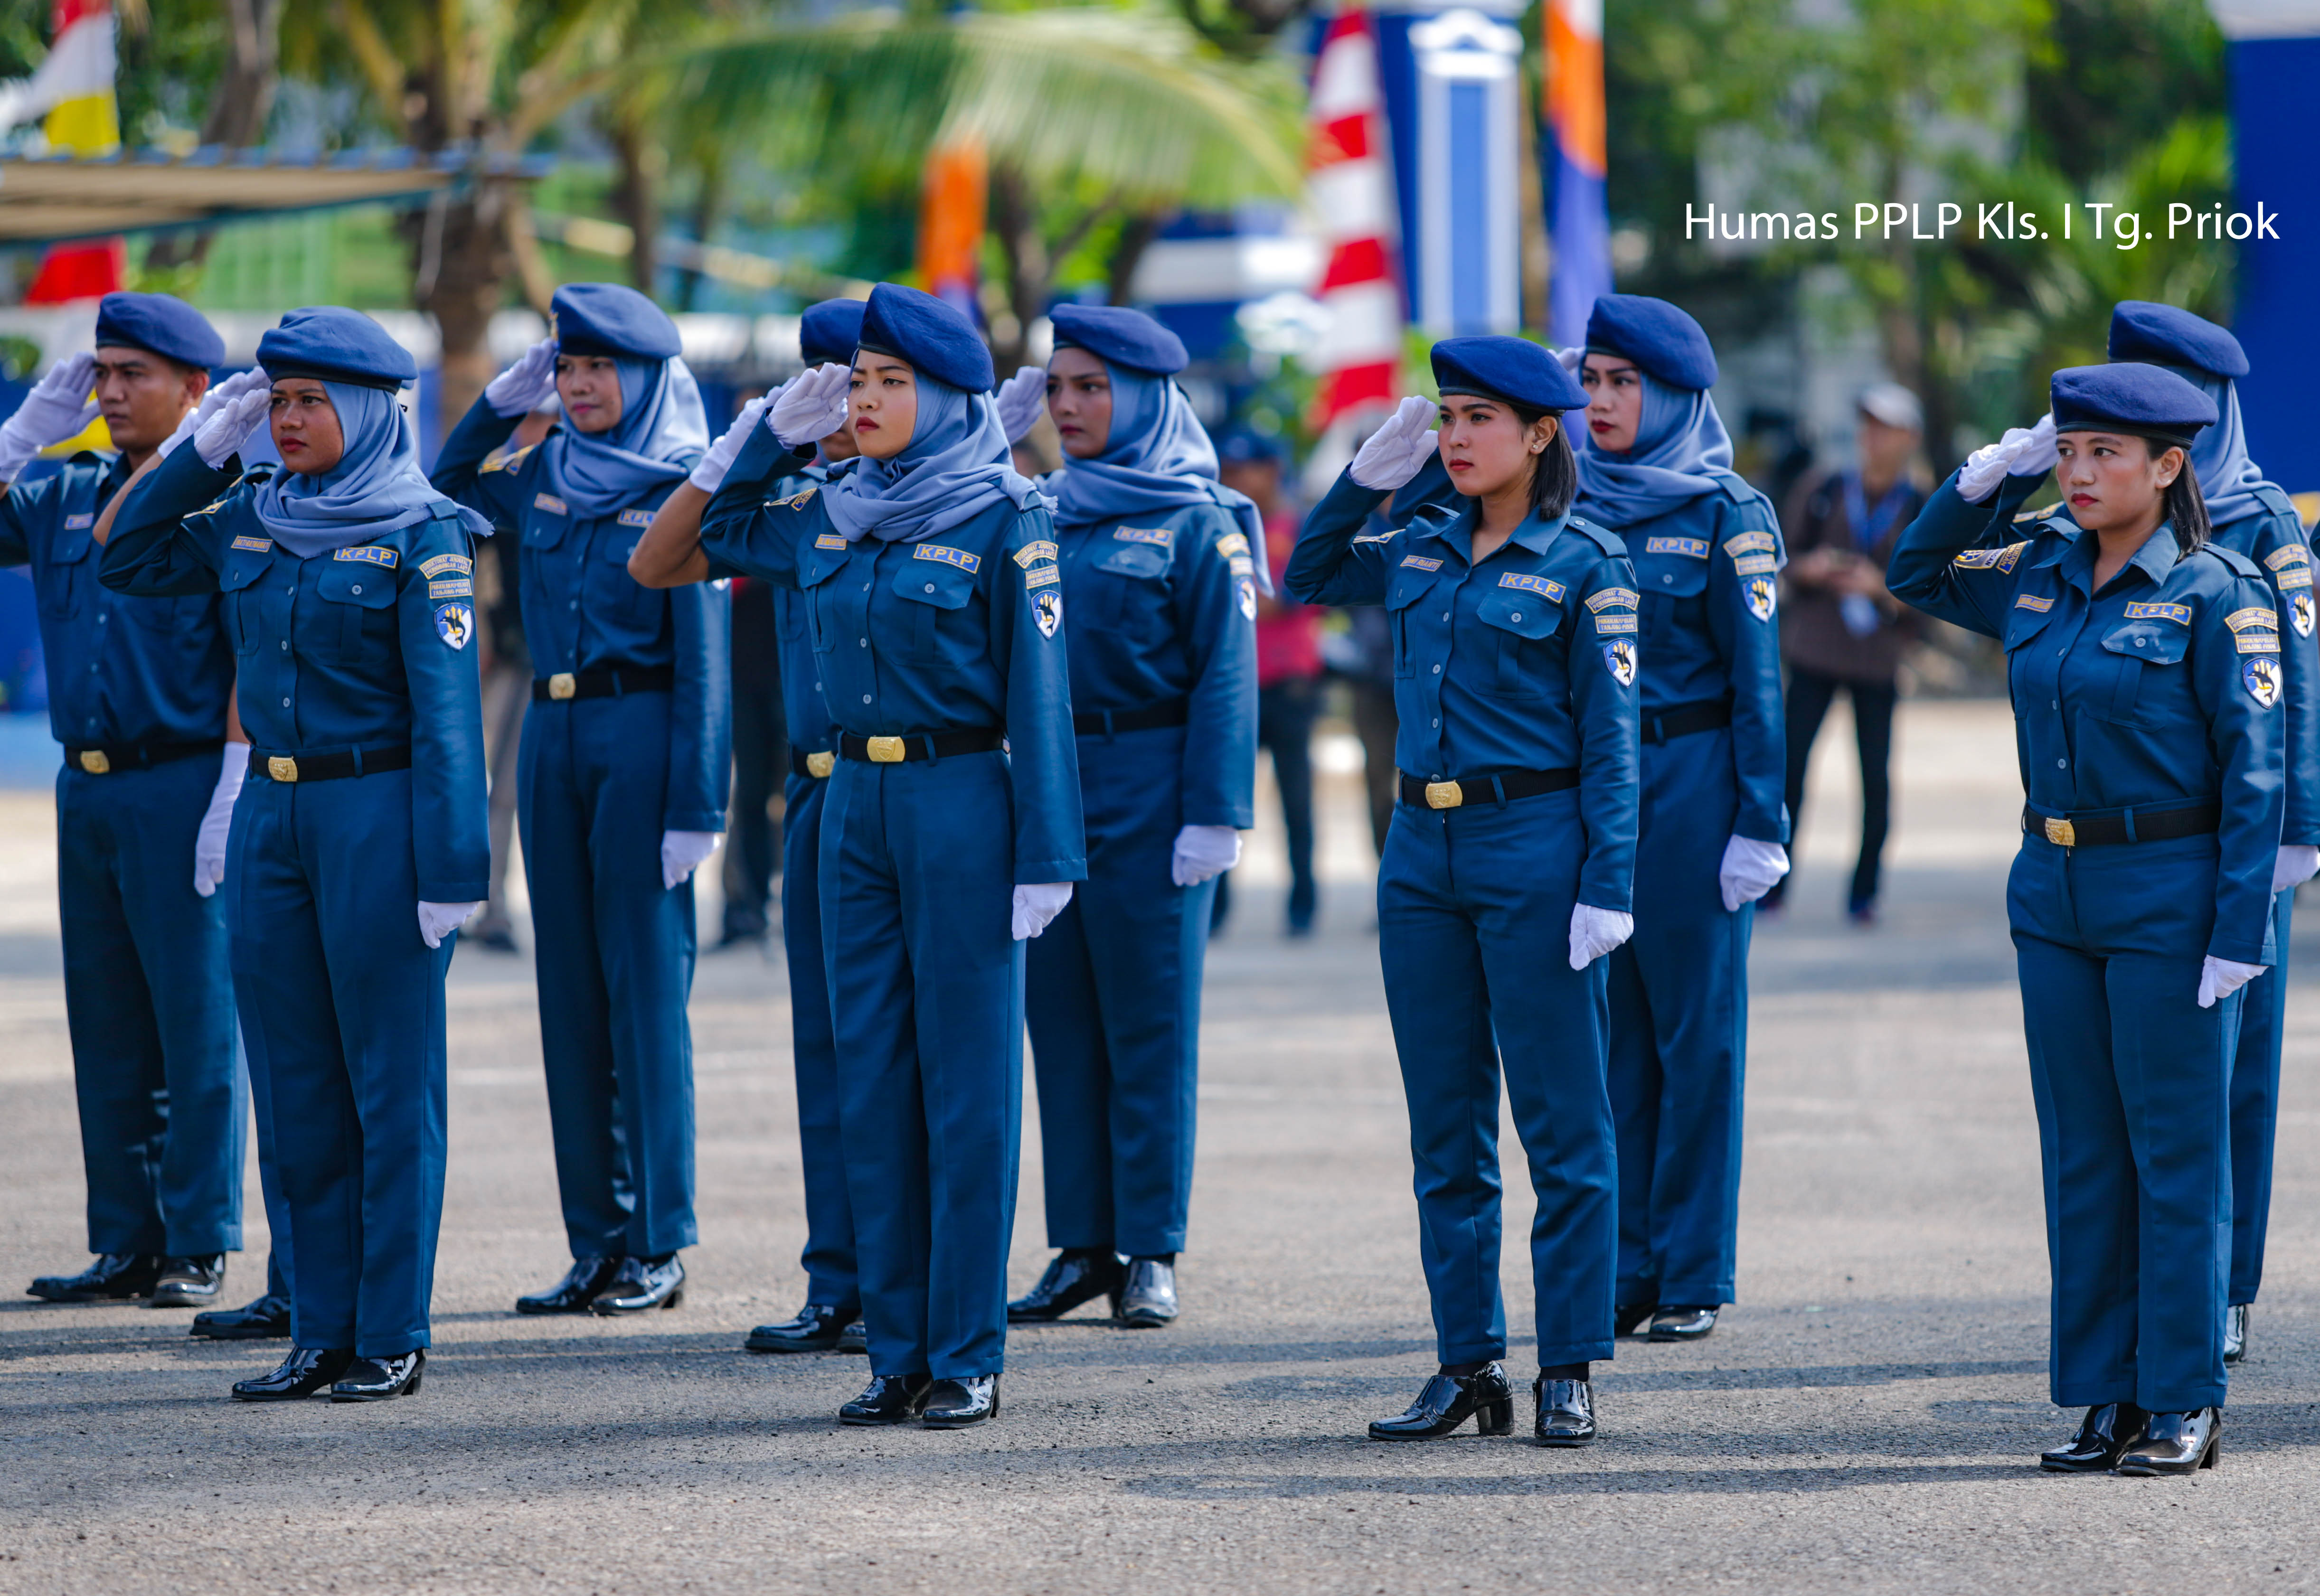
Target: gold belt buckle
885	751
819	765
1444	794
561	685
280	767
94	762
2061	832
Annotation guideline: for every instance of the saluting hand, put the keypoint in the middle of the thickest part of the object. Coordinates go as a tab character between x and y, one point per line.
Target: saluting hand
223	394
1020	401
57	408
220	438
812	405
1397	451
710	474
2023	451
525	385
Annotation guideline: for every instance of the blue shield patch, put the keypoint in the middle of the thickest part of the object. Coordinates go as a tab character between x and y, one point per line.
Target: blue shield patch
455	624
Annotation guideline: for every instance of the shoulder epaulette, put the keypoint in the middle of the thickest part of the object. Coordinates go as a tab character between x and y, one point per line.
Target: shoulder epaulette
513	461
2238	563
1609	542
1388	535
2037	515
1737	488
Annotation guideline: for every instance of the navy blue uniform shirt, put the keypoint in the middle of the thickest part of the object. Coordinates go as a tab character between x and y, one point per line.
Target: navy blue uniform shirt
805	712
122	670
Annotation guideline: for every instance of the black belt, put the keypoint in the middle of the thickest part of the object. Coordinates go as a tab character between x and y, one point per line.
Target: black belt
330	767
1105	723
895	751
2132	826
812	767
609	682
99	759
1684	720
1496	788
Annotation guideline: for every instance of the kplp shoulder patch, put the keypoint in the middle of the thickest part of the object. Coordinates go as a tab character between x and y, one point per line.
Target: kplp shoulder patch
636	518
1694	548
2180	614
1546	587
368	554
946	556
1158	537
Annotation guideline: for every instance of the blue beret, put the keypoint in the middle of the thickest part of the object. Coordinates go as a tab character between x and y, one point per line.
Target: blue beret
830	331
1665	341
609	319
167	326
338	346
1513	369
1244	446
2142	330
936	339
2129	397
1117	336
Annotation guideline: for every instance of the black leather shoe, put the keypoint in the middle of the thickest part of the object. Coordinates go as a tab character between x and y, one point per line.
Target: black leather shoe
1628	1318
304	1373
953	1405
1566	1412
114	1277
261	1321
375	1379
1147	1300
642	1283
1075	1275
189	1282
1447	1400
2236	1329
2176	1444
1683	1325
854	1338
888	1399
576	1290
2107	1431
817	1326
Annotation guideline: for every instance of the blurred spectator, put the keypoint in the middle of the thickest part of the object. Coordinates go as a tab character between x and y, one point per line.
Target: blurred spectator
1840	628
1288	670
753	855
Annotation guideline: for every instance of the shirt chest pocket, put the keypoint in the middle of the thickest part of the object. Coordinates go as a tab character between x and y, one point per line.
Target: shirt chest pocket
544	529
1131	586
2147	685
1403	612
238	581
1520	622
1670	586
71	576
614	594
356	615
937	592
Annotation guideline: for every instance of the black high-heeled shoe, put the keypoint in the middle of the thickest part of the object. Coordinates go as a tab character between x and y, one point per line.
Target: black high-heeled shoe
1447	1400
304	1373
2176	1444
377	1379
2107	1431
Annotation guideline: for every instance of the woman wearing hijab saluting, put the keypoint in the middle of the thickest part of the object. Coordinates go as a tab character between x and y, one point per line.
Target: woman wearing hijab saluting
1159	566
345	578
1656	467
951	829
623	773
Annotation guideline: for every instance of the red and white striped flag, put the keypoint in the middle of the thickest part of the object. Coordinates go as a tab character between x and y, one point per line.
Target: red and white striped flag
1350	189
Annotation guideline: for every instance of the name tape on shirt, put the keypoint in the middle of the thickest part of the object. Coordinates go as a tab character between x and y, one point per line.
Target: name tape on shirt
2297	578
1749	543
1041	577
1606	625
439	563
551	504
1158	537
1032	552
1694	547
1241	565
2288	554
830	540
1233	543
946	556
1613	598
2254	615
451	587
2033	601
636	518
256	545
368	554
1756	565
81	522
2257	641
1547	588
2180	614
1421	562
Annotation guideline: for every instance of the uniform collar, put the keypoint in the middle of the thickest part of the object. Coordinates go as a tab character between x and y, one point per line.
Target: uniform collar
1534	535
2156	559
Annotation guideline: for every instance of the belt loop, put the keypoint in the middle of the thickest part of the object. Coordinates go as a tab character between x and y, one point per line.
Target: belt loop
1108	733
1499	788
358	753
934	755
2129	818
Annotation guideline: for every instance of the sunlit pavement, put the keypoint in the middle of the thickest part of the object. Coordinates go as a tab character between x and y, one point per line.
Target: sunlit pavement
1865	1418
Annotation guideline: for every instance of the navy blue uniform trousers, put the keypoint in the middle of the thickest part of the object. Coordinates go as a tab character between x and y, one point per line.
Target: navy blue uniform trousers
1115	1010
1474	937
2133	1084
150	1006
829	1258
927	990
1679	997
342	1014
615	952
2255	1107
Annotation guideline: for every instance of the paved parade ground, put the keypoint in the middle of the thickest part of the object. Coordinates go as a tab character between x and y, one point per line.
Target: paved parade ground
1866	1418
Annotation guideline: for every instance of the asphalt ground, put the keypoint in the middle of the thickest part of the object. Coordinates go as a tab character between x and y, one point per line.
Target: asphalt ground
1866	1418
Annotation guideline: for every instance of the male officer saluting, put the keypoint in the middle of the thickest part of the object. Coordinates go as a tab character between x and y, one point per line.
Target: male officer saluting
141	695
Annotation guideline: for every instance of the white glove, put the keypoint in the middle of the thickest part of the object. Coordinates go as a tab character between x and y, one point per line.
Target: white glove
220	438
1596	932
209	842
2038	455
2295	865
812	405
2220	977
1020	400
1202	851
219	396
710	474
57	408
1572	358
1397	451
1751	869
1035	906
440	920
525	384
2023	451
681	853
